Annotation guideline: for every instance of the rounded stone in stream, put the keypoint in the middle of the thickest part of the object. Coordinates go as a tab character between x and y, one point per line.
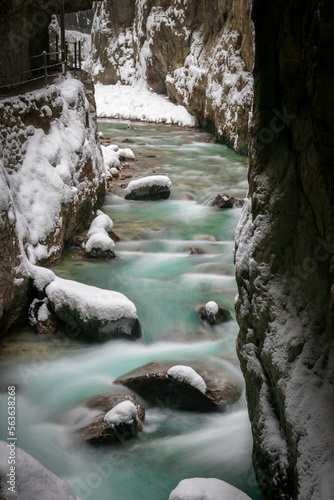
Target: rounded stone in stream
225	201
153	384
150	188
98	431
221	316
99	253
96	313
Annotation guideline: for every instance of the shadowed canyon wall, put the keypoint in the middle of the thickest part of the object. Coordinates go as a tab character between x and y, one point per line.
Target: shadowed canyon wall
284	251
24	34
199	52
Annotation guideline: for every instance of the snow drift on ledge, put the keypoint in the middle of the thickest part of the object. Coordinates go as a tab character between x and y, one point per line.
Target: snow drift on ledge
137	102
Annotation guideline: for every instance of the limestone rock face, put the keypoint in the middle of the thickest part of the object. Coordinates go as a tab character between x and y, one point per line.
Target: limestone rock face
51	182
199	52
284	252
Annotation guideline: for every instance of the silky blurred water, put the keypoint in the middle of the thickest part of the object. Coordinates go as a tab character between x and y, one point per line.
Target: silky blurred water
153	268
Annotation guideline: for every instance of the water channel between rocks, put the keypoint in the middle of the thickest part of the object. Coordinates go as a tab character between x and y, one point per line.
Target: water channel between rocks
154	270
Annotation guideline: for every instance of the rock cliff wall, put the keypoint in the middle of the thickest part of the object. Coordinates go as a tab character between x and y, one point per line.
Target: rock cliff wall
51	180
198	51
284	251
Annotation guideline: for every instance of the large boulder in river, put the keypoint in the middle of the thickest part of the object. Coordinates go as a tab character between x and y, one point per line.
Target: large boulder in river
199	488
193	386
96	313
225	201
120	418
153	187
31	479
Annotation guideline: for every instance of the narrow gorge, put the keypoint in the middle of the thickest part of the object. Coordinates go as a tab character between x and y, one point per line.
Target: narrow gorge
166	250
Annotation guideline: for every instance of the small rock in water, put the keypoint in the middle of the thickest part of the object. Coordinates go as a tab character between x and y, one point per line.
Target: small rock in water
153	383
44	322
120	418
153	187
213	314
225	201
194	250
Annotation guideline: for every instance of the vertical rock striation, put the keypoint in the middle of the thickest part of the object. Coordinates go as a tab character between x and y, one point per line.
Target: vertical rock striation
284	252
199	52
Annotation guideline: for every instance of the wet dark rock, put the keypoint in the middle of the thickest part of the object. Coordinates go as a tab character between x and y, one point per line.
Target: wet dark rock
98	431
98	253
153	384
48	326
225	201
194	250
222	316
114	236
149	193
79	241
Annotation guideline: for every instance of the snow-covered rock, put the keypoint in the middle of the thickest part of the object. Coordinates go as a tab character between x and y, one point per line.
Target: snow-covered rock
152	187
109	418
214	314
225	201
33	481
198	488
187	375
123	413
211	307
99	314
113	155
191	387
99	243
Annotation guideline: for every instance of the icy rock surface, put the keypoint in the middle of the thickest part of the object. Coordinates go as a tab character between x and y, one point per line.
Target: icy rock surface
206	489
33	480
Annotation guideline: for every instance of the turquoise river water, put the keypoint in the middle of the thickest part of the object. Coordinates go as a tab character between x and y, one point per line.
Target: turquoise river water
53	376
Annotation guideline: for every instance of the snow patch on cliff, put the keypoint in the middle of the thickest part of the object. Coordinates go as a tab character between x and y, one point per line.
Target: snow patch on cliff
49	163
229	86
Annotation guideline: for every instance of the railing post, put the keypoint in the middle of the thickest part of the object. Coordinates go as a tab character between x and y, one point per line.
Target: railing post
75	55
66	56
80	54
62	35
45	68
57	48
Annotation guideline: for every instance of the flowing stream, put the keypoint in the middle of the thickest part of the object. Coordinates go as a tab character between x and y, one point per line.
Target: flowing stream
166	283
